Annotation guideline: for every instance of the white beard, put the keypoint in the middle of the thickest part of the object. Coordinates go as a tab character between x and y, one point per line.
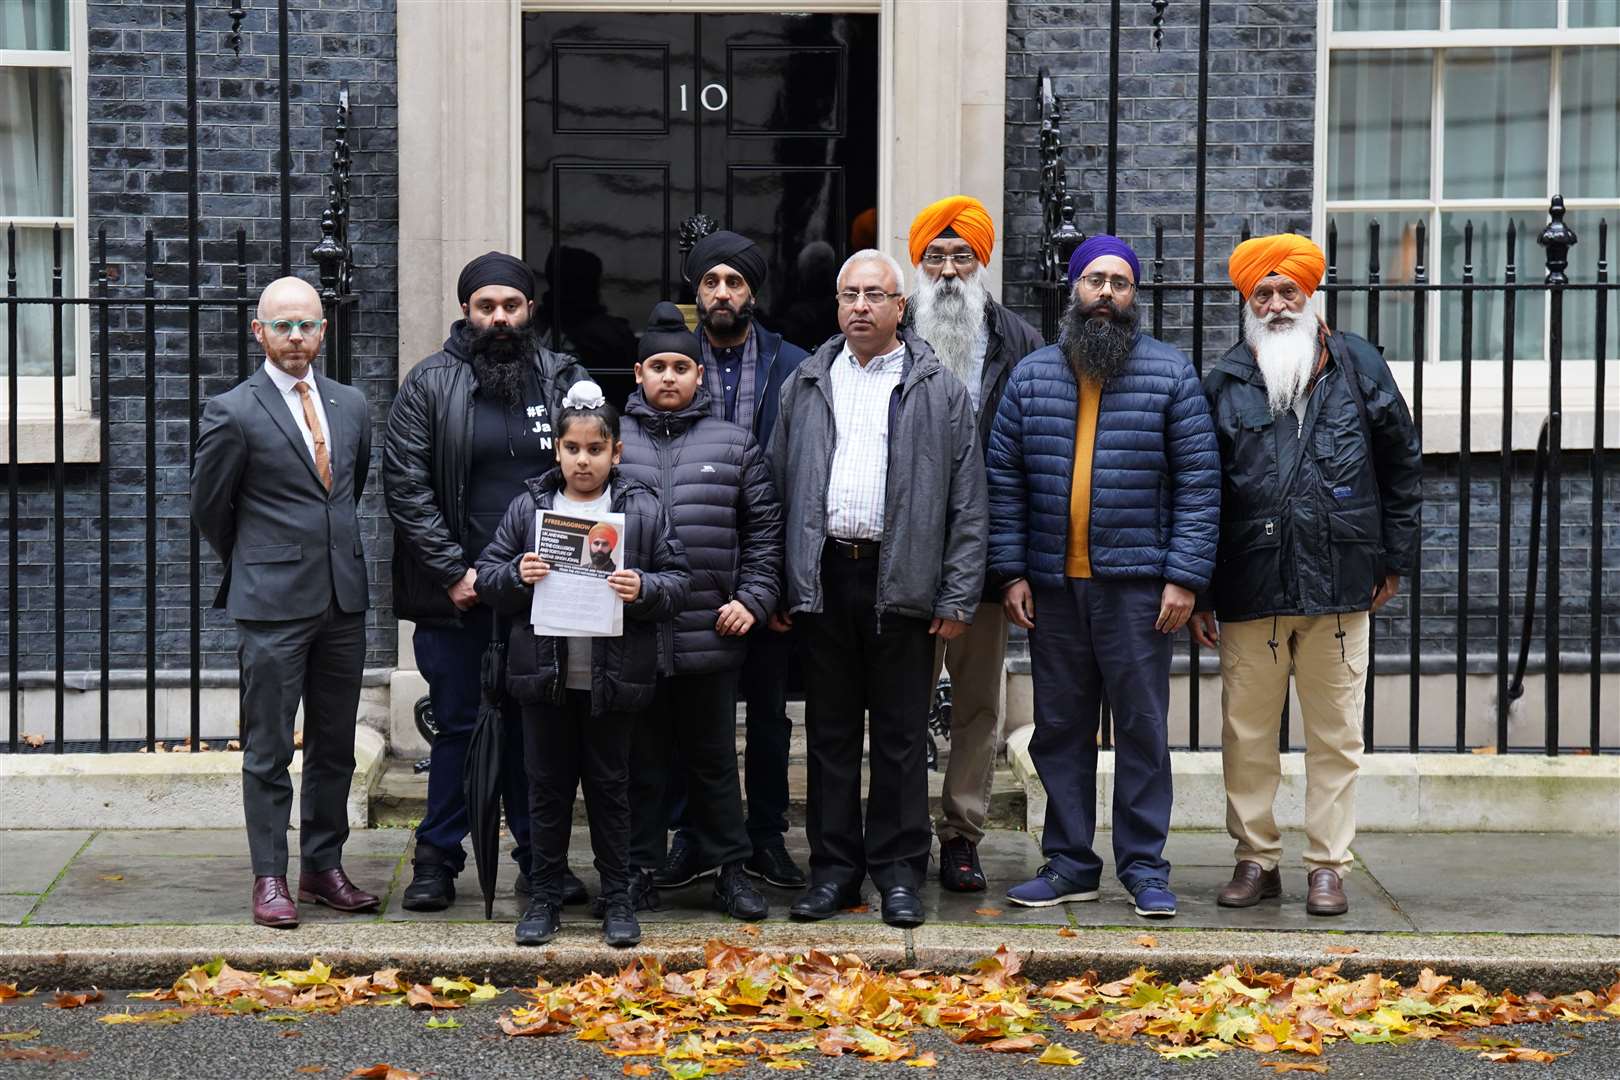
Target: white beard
1286	356
950	318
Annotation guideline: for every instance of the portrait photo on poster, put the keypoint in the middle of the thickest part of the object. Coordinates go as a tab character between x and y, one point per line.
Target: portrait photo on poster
574	599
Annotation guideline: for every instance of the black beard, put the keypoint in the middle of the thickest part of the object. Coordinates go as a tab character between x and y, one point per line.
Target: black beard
498	357
1096	338
738	318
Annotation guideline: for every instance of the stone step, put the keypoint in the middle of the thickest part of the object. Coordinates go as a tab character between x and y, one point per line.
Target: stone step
400	797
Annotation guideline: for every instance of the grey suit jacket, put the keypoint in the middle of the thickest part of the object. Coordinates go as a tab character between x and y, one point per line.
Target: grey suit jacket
289	546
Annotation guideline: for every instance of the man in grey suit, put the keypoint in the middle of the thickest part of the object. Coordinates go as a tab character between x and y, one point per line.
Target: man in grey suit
281	464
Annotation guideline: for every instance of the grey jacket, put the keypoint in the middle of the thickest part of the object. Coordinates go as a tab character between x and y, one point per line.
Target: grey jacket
290	547
935	514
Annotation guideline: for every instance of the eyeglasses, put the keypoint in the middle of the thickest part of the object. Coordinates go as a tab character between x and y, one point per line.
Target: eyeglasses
1095	282
873	297
959	259
1263	293
305	327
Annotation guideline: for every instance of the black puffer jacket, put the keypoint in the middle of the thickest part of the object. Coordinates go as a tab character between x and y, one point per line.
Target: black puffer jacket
624	669
426	452
717	490
1313	516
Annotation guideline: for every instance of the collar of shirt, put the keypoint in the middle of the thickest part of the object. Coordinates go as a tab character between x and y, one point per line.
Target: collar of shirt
878	365
285	382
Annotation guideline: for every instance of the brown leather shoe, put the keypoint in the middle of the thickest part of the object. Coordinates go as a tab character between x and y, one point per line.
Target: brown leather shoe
1250	885
1326	895
334	889
272	904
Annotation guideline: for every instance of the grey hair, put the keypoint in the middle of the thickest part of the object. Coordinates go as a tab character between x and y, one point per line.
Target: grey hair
874	255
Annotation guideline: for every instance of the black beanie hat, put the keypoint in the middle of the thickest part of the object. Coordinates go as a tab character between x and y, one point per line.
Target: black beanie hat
667	333
494	268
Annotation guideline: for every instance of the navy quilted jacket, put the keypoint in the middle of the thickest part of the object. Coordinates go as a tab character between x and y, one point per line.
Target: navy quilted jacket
1155	472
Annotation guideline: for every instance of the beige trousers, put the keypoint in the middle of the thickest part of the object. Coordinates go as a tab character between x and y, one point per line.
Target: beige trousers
1330	674
976	662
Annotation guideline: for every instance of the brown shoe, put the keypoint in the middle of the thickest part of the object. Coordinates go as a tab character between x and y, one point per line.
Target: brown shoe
1326	895
1250	885
334	889
272	904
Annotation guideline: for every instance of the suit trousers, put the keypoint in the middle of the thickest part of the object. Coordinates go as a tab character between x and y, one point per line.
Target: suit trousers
857	667
1330	673
1094	639
977	664
689	735
565	748
450	659
317	661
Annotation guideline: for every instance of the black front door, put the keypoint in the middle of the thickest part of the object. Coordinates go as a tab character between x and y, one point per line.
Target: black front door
634	122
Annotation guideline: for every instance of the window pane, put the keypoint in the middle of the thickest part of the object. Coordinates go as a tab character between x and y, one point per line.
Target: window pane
34	320
1397	258
1583	13
1378	125
1590	168
1386	15
1496	123
36	170
1489	14
1490	261
34	24
1580	306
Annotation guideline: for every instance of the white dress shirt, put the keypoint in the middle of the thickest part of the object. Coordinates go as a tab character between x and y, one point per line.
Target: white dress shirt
860	465
295	405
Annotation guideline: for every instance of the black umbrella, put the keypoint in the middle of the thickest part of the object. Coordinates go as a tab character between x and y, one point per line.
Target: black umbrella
481	779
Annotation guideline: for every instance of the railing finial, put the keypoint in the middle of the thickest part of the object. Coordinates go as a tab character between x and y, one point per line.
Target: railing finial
1158	23
1557	238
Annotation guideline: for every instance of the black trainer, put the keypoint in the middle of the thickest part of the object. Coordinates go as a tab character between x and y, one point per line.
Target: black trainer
539	924
736	896
775	866
432	887
959	869
619	926
643	894
682	866
573	891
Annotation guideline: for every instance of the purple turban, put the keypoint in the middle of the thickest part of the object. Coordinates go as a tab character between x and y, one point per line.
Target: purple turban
1095	247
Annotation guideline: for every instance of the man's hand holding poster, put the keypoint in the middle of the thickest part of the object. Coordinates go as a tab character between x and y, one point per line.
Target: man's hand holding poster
575	556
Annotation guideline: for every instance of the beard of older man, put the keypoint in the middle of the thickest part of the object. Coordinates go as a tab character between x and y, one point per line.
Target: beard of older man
1096	338
949	313
1285	347
497	353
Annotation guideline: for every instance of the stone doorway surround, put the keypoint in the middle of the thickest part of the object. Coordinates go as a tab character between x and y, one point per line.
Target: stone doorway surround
943	68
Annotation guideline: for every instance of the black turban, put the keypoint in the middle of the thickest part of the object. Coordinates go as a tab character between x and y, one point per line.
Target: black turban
494	268
737	252
667	333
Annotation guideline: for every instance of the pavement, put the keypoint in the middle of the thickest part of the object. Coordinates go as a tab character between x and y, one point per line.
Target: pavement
1527	910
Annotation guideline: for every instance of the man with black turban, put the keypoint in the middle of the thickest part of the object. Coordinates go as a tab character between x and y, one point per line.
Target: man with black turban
744	365
469	425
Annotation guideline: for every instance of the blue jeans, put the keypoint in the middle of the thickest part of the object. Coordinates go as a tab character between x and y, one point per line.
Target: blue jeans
1095	639
449	658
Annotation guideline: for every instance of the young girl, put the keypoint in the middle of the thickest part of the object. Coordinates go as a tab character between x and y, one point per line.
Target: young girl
578	694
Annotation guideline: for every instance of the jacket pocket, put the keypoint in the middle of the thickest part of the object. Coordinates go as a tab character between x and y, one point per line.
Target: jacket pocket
1239	539
1354	536
273	553
1248	575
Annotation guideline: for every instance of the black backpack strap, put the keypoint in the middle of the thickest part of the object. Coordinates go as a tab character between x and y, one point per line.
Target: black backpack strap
1347	364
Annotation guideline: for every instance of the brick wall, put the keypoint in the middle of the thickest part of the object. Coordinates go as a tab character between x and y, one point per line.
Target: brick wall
137	158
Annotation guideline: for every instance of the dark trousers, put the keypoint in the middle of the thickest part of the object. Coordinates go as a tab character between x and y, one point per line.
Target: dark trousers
768	734
450	658
565	747
317	661
1091	639
853	669
690	733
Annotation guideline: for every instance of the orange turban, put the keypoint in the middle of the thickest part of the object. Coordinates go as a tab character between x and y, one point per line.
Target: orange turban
963	214
1294	257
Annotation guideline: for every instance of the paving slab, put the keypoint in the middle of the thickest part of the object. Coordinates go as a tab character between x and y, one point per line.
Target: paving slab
30	860
118	843
1523	864
199	889
14	907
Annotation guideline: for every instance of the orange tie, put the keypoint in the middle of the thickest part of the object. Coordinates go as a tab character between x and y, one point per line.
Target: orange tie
323	460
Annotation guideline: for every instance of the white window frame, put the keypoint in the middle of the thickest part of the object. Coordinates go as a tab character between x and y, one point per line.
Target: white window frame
1442	391
36	414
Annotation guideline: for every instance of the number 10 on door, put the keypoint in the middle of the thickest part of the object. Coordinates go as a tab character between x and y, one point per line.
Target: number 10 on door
713	97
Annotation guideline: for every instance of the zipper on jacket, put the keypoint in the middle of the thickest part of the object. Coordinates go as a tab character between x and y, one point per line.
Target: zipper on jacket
885	550
666	498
